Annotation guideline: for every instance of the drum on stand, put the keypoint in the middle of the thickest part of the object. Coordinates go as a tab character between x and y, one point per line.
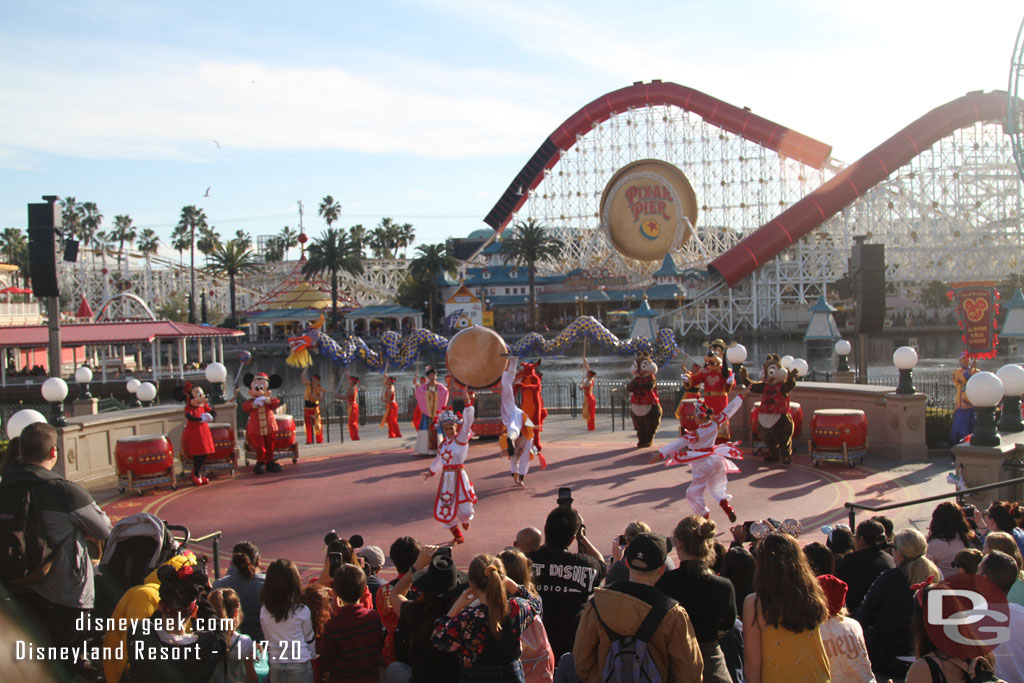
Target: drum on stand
475	357
224	451
838	435
144	461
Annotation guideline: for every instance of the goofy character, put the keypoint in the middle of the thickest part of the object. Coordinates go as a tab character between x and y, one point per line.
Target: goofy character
196	438
643	400
455	494
716	379
261	427
774	423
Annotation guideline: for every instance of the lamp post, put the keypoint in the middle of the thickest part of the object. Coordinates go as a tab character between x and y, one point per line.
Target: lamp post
146	393
905	359
984	390
83	376
843	349
216	373
21	419
55	390
1012	377
736	354
132	385
801	367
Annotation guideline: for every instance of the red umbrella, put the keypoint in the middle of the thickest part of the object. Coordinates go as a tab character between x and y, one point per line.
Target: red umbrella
84	310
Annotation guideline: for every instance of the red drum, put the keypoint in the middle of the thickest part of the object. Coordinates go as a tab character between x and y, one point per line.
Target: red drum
795	411
223	441
688	414
284	437
833	428
146	455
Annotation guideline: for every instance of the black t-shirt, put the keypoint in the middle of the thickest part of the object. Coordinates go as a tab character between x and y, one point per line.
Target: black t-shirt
709	600
565	581
859	570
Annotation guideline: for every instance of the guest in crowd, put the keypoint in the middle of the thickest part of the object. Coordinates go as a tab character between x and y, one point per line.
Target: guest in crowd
1005	516
537	658
843	637
287	624
239	661
373	560
948	534
860	568
245	578
1003	542
1002	570
820	558
738	566
967	561
353	638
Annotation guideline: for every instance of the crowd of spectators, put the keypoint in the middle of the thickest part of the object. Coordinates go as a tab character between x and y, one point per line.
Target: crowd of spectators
773	605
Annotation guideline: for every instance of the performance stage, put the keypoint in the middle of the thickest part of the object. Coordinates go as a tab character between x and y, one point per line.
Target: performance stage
374	487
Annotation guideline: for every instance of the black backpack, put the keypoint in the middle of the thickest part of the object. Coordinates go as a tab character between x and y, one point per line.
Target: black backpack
629	660
25	554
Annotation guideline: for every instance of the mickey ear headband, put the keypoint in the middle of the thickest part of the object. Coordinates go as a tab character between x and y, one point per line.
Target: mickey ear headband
828	529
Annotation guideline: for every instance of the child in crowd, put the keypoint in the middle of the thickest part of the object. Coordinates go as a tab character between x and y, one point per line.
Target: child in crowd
354	636
320	601
239	652
843	636
287	624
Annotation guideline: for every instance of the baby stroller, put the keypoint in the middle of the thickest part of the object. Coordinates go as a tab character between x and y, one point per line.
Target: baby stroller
137	545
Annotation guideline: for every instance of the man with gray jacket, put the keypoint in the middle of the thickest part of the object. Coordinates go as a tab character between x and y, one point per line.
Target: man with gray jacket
53	603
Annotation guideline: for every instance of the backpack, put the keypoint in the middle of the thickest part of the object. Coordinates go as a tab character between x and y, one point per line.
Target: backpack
629	660
25	554
978	671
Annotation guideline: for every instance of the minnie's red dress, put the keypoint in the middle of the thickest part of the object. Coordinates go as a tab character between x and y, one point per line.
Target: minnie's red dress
196	438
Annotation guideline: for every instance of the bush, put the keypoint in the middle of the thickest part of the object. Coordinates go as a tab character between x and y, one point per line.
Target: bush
937	423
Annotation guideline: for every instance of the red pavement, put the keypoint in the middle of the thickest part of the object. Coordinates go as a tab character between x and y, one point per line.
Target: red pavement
374	487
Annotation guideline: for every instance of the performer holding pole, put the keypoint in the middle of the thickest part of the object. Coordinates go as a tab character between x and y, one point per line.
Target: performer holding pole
963	416
390	408
589	400
313	394
431	397
710	463
519	428
352	398
455	494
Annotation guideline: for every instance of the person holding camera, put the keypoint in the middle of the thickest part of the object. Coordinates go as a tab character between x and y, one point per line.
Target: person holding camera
565	580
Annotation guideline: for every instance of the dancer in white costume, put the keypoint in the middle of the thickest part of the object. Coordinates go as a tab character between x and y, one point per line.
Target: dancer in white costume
709	463
455	494
518	427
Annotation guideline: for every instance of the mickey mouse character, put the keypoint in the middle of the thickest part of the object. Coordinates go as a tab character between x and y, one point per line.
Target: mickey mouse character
643	400
196	439
774	423
260	429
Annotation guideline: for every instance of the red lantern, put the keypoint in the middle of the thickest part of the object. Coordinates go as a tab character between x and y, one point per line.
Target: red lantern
302	238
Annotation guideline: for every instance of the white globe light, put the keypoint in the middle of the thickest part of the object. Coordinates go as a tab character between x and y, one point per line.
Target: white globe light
736	354
984	389
786	360
801	367
843	348
83	375
22	419
904	358
1012	377
55	390
132	385
216	372
146	391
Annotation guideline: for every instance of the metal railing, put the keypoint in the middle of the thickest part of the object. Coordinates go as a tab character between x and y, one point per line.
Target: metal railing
853	507
215	535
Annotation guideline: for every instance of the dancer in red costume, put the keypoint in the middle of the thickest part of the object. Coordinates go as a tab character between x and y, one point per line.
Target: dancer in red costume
390	408
352	399
528	385
196	439
717	380
589	400
313	394
455	494
261	427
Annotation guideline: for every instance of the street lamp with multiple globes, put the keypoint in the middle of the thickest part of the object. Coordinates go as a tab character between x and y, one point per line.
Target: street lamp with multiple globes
843	349
736	354
1012	377
801	367
984	391
83	376
216	373
785	361
132	385
146	393
905	359
55	390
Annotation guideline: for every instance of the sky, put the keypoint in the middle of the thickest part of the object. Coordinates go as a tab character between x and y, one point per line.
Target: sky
424	111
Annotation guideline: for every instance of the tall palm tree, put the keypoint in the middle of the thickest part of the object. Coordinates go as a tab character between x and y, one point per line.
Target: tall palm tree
333	253
433	260
529	245
71	215
357	233
91	221
209	239
192	219
388	234
124	231
231	259
243	239
273	250
330	210
14	248
180	241
149	242
289	239
406	235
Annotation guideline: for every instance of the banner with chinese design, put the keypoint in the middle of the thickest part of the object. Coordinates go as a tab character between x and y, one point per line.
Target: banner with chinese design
977	310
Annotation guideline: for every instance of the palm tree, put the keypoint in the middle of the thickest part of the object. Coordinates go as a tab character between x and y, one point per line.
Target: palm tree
209	239
180	241
433	260
529	245
330	210
90	224
124	231
273	250
243	239
406	235
357	233
388	235
149	242
14	248
333	253
289	239
71	215
231	259
192	218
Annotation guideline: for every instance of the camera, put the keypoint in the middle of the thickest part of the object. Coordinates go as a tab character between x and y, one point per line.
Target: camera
970	511
334	562
565	496
622	540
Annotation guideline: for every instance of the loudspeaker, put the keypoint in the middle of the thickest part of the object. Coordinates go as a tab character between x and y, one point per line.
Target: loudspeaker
867	270
42	261
71	250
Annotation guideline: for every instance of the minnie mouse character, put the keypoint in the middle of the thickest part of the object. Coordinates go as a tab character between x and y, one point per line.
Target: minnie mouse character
260	429
196	439
774	423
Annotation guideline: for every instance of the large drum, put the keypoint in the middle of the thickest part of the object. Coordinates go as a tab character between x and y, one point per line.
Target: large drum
833	428
146	455
688	414
284	437
795	411
223	441
475	357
